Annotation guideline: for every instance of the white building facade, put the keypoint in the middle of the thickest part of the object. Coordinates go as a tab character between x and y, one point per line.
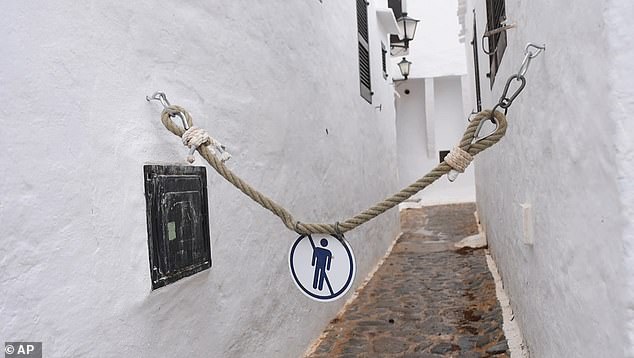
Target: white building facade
277	82
430	113
555	195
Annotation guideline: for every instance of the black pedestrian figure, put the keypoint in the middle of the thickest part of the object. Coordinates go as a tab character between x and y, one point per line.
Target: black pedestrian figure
321	260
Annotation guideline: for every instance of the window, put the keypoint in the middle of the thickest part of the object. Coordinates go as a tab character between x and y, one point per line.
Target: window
178	222
496	16
442	154
384	60
397	9
365	80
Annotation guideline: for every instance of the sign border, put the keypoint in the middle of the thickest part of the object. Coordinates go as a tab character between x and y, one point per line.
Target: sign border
339	293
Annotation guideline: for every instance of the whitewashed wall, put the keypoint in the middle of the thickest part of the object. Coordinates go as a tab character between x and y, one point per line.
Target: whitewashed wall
267	79
410	130
432	116
430	119
621	43
568	154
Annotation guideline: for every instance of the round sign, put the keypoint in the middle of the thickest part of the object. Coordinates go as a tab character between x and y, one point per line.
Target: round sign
322	266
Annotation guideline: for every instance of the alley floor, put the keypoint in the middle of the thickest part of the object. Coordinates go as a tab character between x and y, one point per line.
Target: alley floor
428	299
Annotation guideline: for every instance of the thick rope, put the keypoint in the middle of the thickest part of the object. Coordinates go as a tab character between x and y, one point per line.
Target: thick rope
469	144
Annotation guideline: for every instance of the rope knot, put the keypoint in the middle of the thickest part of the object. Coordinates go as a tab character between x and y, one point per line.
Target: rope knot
194	137
459	160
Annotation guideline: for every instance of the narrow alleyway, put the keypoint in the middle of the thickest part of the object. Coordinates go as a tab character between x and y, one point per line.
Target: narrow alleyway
428	299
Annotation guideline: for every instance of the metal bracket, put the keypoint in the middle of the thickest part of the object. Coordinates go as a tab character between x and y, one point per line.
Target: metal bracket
490	33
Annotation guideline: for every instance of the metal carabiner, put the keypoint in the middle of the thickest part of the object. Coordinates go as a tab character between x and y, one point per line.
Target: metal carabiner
505	101
161	97
524	66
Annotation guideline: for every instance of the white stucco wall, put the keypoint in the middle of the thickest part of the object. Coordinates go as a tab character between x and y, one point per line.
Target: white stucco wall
422	132
621	44
449	124
265	78
568	154
411	133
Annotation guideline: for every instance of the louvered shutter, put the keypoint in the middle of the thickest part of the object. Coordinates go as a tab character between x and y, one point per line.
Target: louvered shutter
365	80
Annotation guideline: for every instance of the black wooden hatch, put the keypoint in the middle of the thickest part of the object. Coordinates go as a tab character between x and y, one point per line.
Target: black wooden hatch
177	222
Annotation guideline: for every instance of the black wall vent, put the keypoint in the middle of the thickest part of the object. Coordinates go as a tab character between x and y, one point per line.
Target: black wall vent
442	154
177	222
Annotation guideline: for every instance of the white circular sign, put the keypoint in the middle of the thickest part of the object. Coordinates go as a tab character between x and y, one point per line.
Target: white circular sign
322	266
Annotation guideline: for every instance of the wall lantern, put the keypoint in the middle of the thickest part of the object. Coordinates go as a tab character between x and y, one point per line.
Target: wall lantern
404	67
407	25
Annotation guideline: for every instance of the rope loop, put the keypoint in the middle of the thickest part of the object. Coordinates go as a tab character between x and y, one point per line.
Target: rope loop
171	111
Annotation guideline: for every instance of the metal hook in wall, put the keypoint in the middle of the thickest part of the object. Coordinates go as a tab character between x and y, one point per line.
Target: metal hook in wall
528	56
161	97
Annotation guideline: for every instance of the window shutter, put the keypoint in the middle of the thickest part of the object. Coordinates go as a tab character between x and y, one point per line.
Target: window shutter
384	60
365	80
496	14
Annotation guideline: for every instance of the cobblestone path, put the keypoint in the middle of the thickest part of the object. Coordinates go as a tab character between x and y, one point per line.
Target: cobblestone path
427	299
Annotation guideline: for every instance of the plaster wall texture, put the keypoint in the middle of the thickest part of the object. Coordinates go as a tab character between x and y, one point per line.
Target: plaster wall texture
417	152
436	49
266	79
568	154
621	43
411	133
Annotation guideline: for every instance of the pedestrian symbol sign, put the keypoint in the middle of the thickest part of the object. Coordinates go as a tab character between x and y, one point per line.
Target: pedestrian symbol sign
322	267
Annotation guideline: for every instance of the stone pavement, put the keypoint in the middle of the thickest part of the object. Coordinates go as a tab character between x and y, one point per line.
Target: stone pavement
427	299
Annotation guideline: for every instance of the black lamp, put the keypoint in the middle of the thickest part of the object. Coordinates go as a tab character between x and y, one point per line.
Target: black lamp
404	67
407	25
